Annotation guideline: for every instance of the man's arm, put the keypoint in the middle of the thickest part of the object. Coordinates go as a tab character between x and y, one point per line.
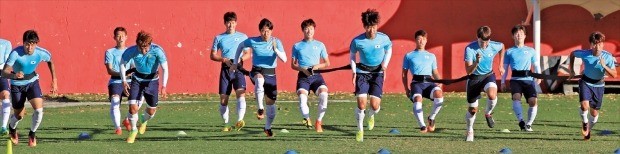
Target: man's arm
571	67
164	68
50	65
611	71
502	70
386	58
405	76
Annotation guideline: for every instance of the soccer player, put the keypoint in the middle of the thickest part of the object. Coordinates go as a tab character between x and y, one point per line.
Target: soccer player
20	68
265	48
375	50
112	62
521	58
422	64
479	57
147	57
597	63
227	43
306	58
5	50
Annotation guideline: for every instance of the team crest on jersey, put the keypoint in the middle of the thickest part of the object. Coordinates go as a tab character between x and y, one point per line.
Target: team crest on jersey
236	39
377	46
427	57
315	47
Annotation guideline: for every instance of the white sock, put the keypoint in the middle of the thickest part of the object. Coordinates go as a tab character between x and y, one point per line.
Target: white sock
516	107
584	116
147	116
14	121
303	106
241	108
224	113
260	92
491	105
140	102
115	112
470	119
531	112
593	121
271	114
6	111
134	120
373	112
419	113
322	105
37	117
437	103
359	115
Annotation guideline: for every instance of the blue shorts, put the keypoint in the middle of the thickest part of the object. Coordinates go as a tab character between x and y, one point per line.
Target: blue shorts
369	83
422	88
19	94
525	87
4	84
310	83
592	94
116	89
150	90
475	87
230	80
270	86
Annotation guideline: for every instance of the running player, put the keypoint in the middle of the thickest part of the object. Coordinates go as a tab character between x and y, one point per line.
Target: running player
5	50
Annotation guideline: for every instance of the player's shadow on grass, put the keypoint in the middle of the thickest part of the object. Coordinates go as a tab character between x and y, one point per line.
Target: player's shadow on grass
93	132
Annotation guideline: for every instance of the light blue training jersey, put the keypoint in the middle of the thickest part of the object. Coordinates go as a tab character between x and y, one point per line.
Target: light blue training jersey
485	65
22	62
263	54
372	51
228	43
592	64
420	62
113	56
145	63
308	53
520	59
5	50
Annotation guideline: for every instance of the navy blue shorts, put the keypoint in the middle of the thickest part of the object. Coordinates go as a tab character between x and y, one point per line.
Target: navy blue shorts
592	94
230	80
4	84
369	83
19	94
525	87
310	83
116	89
422	88
150	90
270	86
475	87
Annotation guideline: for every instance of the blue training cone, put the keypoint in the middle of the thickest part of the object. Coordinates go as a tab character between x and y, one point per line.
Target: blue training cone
394	131
291	152
505	150
83	136
617	151
383	151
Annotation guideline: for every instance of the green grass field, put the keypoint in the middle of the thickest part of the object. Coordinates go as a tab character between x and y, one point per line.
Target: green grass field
556	129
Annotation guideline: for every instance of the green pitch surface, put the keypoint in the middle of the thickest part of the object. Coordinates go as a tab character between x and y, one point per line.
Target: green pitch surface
556	129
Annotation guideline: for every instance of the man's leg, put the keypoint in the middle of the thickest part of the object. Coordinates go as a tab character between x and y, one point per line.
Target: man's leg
259	92
303	106
322	107
241	105
6	110
18	99
491	89
532	101
271	91
151	95
437	98
375	91
361	93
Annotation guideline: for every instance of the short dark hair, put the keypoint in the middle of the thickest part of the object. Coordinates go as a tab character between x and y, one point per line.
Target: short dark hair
596	37
484	33
265	23
143	38
370	17
419	33
119	29
307	23
517	28
31	36
230	16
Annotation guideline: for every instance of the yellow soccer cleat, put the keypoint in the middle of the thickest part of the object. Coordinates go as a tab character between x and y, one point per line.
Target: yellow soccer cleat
226	128
371	122
359	136
142	128
239	125
132	136
307	123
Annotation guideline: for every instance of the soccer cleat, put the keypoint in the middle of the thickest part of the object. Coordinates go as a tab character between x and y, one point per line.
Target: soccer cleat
132	136
470	137
32	139
585	129
431	125
522	125
371	122
587	137
14	136
307	123
118	131
490	121
239	125
268	132
127	124
4	131
319	126
359	136
528	128
423	129
143	123
226	128
260	114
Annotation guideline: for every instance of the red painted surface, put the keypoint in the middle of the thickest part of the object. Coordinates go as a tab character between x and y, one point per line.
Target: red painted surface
78	32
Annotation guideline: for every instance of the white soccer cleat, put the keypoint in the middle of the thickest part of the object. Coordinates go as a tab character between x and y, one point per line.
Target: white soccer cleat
470	137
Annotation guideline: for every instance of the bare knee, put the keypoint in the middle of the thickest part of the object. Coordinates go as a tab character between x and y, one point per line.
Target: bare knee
516	97
417	99
438	94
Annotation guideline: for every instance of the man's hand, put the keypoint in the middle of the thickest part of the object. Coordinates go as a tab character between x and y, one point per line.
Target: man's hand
503	87
354	76
54	87
126	88
408	92
501	70
164	94
602	60
538	81
478	57
227	61
19	75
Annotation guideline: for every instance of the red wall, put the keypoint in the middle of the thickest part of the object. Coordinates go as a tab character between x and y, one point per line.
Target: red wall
78	32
